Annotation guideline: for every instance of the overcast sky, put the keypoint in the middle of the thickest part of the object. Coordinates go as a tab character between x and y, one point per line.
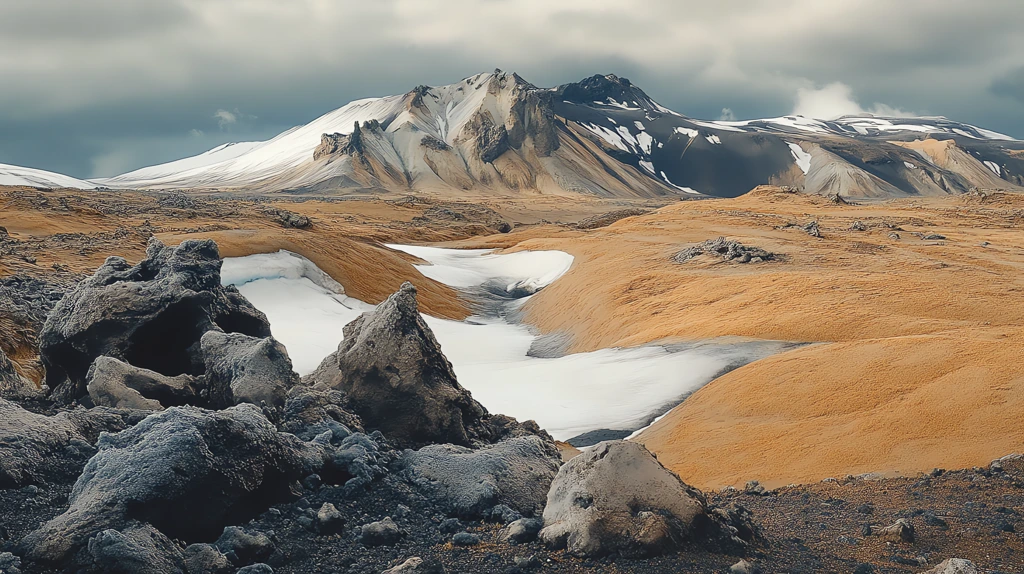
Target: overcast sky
99	87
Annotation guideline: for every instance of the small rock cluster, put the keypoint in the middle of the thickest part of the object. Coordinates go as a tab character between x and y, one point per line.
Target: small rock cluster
726	249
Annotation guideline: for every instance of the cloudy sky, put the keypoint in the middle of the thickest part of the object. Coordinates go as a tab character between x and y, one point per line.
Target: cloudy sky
98	87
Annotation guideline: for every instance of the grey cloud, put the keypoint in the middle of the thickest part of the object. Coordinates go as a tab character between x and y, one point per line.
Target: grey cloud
96	85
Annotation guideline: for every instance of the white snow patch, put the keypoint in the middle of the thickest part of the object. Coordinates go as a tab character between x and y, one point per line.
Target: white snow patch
610	136
639	125
688	132
529	270
721	126
609	388
612	121
17	175
713	139
994	167
647	166
646	141
909	165
803	159
689	190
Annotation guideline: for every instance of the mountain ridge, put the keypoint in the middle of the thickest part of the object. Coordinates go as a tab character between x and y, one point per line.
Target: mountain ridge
602	136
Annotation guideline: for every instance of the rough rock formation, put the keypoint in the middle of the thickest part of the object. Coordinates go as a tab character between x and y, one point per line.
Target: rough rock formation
136	549
606	219
243	369
395	377
331	144
114	383
617	497
202	470
150	315
35	448
726	249
516	473
491	139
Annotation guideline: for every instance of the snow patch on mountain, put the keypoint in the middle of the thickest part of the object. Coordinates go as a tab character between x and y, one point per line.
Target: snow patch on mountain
803	159
16	175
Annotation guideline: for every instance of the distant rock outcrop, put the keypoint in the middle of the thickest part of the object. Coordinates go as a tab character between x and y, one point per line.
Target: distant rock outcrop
150	315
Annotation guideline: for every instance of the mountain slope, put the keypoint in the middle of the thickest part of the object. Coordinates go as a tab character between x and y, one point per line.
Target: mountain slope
604	136
15	175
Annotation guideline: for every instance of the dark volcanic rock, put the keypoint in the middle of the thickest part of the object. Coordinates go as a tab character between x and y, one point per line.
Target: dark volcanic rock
726	249
113	383
185	471
206	559
136	549
151	315
244	369
380	533
606	219
36	448
469	483
398	381
618	498
309	412
242	547
491	139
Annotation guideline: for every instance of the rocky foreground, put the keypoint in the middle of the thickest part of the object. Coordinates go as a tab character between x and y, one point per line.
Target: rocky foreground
175	437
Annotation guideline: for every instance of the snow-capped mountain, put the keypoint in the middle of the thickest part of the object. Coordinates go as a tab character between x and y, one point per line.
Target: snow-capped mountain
602	136
15	175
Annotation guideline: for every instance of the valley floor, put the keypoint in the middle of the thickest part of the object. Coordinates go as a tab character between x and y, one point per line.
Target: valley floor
915	305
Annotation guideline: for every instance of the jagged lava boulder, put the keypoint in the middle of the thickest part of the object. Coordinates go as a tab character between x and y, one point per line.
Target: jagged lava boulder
35	448
516	473
398	381
185	471
114	383
617	498
150	315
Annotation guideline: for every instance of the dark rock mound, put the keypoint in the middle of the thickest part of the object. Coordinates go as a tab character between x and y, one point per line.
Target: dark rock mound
398	381
150	315
515	473
184	471
726	249
135	549
113	383
617	498
35	449
288	218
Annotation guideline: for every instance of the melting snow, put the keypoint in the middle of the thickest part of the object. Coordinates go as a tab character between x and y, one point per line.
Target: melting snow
909	165
994	167
639	125
689	190
645	140
647	166
607	389
16	175
803	159
688	132
713	139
